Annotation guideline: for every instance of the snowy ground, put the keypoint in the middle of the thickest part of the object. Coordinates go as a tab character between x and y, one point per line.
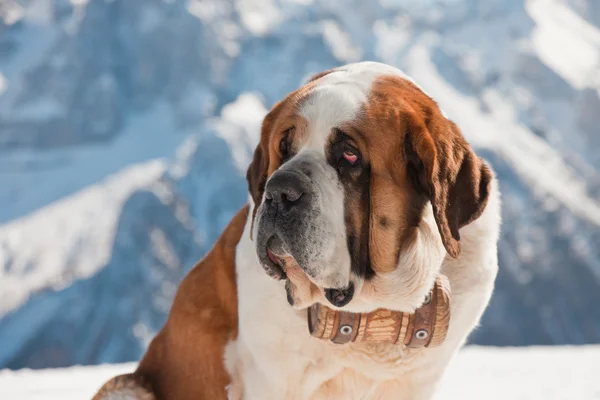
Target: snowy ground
549	373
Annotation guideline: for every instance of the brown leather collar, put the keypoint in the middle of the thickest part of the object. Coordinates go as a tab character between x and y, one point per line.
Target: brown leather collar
426	327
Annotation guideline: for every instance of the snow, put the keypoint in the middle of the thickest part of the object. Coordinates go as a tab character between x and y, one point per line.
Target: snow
33	178
340	43
544	373
548	373
2	83
53	248
565	41
58	384
240	125
258	16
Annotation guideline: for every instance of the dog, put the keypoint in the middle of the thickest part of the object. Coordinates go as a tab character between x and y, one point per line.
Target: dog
362	193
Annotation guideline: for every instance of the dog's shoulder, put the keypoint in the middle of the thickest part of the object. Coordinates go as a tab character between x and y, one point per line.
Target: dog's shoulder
185	359
208	293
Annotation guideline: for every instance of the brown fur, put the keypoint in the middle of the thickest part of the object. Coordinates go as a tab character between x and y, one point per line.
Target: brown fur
132	385
417	155
266	158
185	359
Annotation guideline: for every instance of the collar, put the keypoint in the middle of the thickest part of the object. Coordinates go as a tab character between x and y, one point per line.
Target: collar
426	327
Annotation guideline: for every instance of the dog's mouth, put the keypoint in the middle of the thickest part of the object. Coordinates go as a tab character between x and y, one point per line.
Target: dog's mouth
274	258
278	263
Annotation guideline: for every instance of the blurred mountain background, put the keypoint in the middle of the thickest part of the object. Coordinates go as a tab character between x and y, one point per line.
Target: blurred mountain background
126	127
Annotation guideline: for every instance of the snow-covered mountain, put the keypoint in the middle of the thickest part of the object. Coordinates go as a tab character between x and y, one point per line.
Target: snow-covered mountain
126	128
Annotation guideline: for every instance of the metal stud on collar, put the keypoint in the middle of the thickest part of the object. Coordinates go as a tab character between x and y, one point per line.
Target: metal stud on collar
387	326
421	334
427	298
346	329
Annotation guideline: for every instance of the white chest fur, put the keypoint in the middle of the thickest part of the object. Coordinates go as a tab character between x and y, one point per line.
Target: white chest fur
274	356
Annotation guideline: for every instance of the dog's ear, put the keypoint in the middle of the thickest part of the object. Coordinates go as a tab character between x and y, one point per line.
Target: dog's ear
257	176
257	172
442	166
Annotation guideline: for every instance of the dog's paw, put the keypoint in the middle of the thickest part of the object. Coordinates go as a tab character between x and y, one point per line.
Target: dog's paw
125	387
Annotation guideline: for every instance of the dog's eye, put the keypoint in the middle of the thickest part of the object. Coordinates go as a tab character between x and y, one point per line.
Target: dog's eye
350	157
284	144
283	147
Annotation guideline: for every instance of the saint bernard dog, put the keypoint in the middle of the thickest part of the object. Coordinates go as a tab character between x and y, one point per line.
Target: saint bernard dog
362	193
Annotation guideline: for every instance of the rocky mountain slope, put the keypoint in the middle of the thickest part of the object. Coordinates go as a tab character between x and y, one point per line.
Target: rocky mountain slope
125	130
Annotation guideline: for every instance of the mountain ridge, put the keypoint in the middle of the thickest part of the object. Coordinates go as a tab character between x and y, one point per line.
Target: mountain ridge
125	131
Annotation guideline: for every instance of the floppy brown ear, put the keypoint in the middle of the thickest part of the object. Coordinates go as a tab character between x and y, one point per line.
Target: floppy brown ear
257	176
444	167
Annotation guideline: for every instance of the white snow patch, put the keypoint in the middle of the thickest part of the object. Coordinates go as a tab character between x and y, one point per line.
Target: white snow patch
391	38
2	83
40	12
535	373
340	42
526	373
11	12
246	111
565	42
67	240
240	126
259	16
58	384
34	178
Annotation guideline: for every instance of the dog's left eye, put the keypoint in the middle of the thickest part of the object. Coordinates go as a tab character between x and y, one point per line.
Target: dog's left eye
284	144
350	157
283	147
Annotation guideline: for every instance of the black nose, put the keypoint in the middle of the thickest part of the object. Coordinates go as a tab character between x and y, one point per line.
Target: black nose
340	297
286	190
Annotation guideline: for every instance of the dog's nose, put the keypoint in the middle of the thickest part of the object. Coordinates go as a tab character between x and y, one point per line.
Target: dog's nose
340	297
286	190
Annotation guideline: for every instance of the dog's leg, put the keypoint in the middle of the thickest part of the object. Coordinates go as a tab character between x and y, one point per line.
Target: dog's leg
125	387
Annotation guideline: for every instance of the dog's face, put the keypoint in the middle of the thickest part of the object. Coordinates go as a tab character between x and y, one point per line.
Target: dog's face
347	171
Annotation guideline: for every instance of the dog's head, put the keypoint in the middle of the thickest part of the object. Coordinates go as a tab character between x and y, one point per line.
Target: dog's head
362	184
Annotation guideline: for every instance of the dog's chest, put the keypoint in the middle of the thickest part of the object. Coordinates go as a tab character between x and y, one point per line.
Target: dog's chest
275	357
289	363
362	371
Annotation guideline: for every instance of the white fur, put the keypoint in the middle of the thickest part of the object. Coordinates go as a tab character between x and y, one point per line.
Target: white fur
274	356
336	98
327	247
417	270
128	395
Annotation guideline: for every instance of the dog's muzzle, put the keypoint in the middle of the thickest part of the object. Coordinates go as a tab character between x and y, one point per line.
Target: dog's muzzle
294	228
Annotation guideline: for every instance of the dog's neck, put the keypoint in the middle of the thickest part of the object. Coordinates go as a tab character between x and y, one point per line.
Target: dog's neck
362	325
426	327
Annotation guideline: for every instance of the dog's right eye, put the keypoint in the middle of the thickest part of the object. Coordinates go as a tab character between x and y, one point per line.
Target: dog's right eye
350	157
284	144
283	147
